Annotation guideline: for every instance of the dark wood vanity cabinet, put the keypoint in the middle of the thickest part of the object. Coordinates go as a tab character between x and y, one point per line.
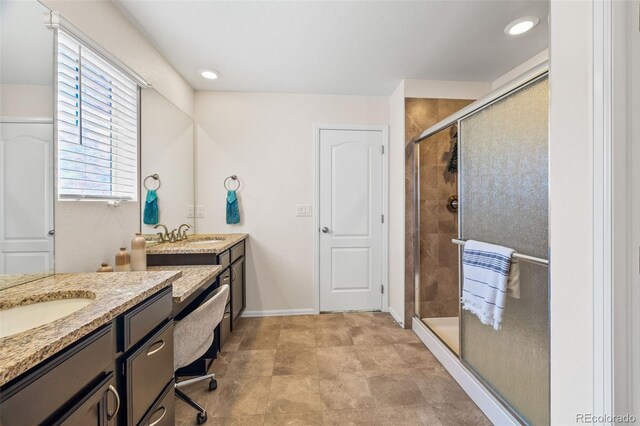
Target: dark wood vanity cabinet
120	374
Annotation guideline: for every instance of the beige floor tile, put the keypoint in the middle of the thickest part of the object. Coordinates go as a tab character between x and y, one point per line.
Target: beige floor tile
261	339
409	415
379	358
364	319
342	359
236	421
251	363
298	322
333	336
239	397
460	414
221	364
295	361
331	320
384	319
297	339
311	418
184	414
371	336
345	391
390	389
294	394
416	355
438	386
362	417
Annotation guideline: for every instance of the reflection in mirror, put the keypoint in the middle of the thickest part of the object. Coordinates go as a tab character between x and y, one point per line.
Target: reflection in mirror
168	152
26	143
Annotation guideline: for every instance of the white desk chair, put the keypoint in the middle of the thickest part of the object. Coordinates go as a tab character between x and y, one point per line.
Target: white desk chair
192	337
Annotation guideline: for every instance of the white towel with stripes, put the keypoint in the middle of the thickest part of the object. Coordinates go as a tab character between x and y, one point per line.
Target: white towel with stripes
486	269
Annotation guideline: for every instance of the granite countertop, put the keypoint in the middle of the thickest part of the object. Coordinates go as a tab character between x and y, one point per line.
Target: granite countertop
193	277
199	243
112	294
12	280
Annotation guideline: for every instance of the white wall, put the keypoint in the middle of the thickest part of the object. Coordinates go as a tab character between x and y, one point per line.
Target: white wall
26	100
522	68
268	141
396	198
88	233
571	212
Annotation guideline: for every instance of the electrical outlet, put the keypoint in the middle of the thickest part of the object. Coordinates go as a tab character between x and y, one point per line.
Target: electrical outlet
200	211
190	211
303	210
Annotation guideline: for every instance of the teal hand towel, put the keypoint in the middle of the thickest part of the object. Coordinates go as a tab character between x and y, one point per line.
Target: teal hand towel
151	208
233	213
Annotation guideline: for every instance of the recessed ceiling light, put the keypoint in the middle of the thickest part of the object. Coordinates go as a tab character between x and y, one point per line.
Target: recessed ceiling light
209	74
521	26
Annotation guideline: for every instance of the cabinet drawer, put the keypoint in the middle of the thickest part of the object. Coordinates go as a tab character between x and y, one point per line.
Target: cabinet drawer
148	370
237	288
60	379
223	259
237	251
144	318
163	413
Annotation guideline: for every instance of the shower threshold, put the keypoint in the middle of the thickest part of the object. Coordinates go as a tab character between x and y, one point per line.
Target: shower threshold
447	329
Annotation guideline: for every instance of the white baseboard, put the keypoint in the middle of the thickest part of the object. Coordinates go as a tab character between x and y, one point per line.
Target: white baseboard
278	312
489	404
398	318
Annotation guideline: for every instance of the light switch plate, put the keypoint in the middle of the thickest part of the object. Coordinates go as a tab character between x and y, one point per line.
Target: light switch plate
200	211
303	210
190	211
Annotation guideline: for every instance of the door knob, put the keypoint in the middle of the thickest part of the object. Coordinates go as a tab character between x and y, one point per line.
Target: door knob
325	230
51	232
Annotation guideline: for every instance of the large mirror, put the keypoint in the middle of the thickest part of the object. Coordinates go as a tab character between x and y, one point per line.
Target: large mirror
26	143
167	164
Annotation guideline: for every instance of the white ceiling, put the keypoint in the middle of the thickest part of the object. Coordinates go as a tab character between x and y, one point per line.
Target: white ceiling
337	47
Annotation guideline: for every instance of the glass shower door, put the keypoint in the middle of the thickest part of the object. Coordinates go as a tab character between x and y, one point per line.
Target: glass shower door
504	201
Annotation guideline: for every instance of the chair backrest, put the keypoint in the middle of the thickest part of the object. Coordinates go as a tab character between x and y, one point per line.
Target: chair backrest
193	335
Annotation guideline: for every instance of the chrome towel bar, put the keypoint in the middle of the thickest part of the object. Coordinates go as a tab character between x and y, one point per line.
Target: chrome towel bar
518	256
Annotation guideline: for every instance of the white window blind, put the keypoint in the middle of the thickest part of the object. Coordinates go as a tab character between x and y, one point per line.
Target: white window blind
97	118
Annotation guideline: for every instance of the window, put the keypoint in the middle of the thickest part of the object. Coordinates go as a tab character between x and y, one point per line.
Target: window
97	118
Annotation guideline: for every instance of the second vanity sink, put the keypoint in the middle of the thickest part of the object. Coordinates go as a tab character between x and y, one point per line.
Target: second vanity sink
22	318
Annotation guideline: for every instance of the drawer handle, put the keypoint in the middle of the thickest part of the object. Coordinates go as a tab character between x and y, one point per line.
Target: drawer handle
115	394
164	411
226	278
233	274
151	352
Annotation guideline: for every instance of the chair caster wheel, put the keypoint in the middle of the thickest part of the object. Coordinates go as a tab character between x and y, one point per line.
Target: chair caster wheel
201	417
213	385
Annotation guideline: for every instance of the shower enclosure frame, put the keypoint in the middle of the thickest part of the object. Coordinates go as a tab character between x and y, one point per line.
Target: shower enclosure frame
531	77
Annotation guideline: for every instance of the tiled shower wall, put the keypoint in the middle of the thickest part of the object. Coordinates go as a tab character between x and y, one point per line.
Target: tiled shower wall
438	256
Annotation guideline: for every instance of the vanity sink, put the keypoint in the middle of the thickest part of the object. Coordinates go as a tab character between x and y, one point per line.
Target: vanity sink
22	318
212	241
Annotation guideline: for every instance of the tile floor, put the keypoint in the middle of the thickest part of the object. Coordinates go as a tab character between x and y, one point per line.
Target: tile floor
329	369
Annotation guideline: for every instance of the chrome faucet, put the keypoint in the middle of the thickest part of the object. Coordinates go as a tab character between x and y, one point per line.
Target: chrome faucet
163	237
182	235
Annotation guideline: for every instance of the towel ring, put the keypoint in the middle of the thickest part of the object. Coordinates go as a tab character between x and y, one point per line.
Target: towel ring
233	178
154	177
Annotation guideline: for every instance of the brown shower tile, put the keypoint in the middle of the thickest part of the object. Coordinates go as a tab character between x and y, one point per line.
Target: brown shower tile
362	417
299	361
344	391
294	394
460	414
330	337
438	386
409	415
337	360
297	338
251	363
379	358
311	418
394	388
239	397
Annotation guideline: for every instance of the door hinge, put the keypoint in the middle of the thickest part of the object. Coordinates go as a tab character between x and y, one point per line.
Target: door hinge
382	218
383	149
382	288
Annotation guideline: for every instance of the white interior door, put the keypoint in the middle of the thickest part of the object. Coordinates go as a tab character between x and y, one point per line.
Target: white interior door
26	198
350	220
